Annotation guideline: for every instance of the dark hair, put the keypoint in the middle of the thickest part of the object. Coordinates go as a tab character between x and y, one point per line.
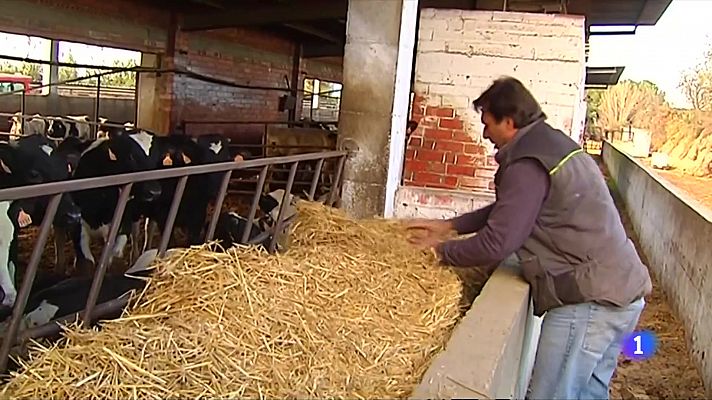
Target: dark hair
507	97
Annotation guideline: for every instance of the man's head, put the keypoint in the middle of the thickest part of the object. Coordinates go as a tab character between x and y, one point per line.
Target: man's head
506	106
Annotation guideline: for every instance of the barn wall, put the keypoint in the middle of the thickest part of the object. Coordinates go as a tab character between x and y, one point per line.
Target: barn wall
245	57
239	55
673	231
459	54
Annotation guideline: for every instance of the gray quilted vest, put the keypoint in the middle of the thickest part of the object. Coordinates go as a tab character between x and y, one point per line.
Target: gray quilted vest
578	251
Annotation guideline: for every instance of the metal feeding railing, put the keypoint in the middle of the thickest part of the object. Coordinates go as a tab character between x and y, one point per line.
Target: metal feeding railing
93	311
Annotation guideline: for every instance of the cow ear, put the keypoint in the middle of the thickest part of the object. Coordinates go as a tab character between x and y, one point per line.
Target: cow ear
186	159
112	156
5	168
69	168
194	139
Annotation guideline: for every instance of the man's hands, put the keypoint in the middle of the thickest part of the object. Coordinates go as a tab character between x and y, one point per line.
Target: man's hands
428	233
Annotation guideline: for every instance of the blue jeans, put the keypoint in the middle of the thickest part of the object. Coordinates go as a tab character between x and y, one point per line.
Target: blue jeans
578	350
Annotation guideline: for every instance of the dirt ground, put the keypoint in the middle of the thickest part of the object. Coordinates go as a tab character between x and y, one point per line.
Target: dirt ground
669	374
698	188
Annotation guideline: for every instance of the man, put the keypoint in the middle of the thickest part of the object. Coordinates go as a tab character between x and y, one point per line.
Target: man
552	211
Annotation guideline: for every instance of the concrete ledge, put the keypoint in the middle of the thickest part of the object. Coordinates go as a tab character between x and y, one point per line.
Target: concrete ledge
491	350
674	233
419	202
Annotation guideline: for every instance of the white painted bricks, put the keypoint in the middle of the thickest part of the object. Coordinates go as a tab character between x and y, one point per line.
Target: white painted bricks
461	52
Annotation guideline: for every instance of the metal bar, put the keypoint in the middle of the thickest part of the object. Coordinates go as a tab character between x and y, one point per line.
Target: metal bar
46	118
120	179
248	122
23	105
172	213
95	128
28	280
218	206
100	271
315	179
253	207
283	206
337	181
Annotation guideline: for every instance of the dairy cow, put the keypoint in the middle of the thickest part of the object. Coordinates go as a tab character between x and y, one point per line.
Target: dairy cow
34	125
30	160
78	127
228	231
133	151
200	190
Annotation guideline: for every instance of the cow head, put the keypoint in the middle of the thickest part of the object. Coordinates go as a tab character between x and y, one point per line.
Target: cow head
56	130
134	151
129	152
36	163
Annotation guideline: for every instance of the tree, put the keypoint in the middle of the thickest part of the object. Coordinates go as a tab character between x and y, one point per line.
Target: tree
696	83
33	70
117	79
68	73
629	103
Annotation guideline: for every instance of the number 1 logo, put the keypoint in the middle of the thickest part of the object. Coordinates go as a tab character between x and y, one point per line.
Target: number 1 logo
640	345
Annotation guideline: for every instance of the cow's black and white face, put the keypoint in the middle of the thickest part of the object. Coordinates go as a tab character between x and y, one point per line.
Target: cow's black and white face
57	130
126	153
39	164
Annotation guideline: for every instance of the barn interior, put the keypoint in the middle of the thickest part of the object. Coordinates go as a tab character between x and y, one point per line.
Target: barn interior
277	77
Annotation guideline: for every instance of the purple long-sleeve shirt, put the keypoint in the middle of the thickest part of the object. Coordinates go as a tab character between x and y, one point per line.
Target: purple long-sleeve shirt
502	227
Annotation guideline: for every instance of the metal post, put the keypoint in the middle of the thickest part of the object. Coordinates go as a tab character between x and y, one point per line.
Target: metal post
29	278
337	181
172	213
95	129
104	260
218	206
23	105
282	206
315	179
255	201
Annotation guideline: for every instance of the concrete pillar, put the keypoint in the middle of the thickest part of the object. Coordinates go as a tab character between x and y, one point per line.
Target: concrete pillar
378	57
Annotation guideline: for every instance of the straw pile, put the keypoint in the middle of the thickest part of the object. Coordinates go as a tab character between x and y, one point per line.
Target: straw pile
351	310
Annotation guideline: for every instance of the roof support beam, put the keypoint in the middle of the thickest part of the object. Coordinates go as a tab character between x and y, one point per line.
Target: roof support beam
309	30
315	50
255	14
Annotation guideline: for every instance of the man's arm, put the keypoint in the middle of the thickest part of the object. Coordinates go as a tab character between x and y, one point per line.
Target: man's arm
521	193
472	221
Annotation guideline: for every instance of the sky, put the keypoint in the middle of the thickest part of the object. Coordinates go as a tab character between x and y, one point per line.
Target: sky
660	53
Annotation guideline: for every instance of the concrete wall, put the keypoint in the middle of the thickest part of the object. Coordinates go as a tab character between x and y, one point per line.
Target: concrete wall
239	55
459	54
491	351
417	202
674	232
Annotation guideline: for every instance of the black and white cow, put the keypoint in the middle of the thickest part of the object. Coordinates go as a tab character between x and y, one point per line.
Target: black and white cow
133	151
29	160
200	190
69	296
34	125
78	127
228	231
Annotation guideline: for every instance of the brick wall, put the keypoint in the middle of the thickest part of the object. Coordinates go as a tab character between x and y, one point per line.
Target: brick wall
238	55
459	54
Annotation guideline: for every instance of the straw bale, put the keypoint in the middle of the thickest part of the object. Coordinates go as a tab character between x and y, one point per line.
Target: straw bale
350	311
